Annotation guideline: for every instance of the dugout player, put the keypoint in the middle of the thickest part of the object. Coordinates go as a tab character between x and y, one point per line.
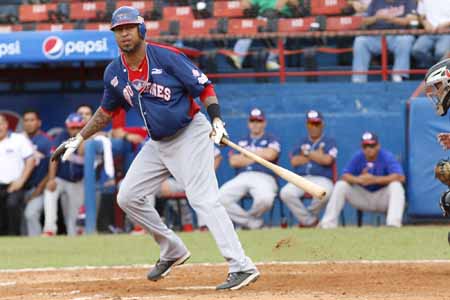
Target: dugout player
252	178
34	188
313	159
161	83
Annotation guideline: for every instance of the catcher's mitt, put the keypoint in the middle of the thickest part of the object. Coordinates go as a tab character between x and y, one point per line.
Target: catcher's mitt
442	171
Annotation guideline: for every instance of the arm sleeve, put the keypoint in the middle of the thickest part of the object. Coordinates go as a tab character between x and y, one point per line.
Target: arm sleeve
111	101
186	72
352	167
371	9
393	166
410	6
274	144
26	149
331	149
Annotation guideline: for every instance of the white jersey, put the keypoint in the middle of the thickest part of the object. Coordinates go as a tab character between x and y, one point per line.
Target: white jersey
14	150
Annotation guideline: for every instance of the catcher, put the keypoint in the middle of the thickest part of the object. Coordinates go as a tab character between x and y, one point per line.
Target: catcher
437	85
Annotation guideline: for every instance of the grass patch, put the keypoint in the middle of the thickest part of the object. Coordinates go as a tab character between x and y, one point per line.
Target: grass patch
351	243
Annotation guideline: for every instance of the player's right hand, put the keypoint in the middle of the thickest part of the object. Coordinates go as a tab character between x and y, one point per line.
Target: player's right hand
67	148
218	131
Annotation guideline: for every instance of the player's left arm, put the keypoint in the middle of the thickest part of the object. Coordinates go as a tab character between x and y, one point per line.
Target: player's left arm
395	172
27	170
271	152
325	154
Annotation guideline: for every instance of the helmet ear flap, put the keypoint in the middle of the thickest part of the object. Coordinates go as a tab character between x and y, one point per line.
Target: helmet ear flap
142	30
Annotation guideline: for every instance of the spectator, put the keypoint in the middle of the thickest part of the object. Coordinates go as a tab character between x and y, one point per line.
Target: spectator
17	164
371	181
65	179
251	177
85	110
314	160
360	6
268	9
385	14
35	185
434	16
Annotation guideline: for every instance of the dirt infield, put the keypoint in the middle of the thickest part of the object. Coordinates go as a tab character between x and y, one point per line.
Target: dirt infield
306	281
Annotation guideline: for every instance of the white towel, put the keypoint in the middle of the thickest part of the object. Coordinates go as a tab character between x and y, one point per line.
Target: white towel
108	162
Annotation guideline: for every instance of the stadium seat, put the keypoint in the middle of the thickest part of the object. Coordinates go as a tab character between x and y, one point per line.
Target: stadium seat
343	23
245	26
97	26
197	27
295	25
10	28
35	12
86	10
327	7
143	6
154	28
228	9
54	27
178	13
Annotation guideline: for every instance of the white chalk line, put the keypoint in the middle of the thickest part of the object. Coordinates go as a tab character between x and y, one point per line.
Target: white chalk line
193	265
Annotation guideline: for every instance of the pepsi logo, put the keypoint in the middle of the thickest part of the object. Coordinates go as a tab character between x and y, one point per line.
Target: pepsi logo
53	47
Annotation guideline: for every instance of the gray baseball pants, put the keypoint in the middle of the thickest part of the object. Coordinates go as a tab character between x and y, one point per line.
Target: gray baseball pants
189	157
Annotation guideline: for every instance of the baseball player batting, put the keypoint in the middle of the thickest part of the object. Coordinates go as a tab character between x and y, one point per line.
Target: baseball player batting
161	82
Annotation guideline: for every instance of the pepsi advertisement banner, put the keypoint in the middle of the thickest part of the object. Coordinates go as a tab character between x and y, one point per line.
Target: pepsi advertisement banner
76	45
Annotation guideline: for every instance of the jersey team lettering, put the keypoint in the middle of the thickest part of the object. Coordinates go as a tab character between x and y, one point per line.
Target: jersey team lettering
153	89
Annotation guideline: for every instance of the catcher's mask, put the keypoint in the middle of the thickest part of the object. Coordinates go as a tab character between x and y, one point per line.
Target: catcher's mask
437	86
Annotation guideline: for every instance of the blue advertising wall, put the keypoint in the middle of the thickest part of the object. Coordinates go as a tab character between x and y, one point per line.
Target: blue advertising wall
45	46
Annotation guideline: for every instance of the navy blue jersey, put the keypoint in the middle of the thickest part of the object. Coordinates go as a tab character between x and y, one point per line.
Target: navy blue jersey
42	146
398	9
385	164
71	169
165	98
313	168
251	144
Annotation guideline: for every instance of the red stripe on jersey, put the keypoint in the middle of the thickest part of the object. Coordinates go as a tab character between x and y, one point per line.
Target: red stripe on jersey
106	111
208	91
137	130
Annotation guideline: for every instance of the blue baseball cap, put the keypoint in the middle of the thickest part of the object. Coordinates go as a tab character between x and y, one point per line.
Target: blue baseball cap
314	116
256	115
369	138
75	120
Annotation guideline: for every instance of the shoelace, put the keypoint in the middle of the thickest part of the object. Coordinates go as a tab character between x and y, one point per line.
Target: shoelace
232	276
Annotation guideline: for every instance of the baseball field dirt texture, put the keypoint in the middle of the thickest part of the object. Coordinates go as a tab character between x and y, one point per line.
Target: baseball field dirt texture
346	263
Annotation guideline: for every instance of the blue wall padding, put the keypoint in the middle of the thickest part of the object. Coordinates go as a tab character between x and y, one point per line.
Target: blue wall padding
424	151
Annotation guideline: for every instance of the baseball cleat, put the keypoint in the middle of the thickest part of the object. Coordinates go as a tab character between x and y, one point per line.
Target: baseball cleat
162	268
237	280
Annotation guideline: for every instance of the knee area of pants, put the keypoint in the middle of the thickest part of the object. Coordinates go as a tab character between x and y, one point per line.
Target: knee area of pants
285	194
123	199
395	186
341	184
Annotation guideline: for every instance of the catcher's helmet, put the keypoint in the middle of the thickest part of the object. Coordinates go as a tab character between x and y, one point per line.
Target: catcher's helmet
437	86
128	15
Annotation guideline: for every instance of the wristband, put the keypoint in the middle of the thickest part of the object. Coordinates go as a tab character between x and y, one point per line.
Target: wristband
213	111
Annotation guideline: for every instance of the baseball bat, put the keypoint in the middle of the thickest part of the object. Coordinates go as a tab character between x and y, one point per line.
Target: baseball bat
310	187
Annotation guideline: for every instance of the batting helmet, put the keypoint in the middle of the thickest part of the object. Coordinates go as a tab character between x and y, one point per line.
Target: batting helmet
128	15
437	85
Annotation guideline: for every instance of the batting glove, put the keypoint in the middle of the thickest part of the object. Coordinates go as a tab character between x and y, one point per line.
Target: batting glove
218	131
67	148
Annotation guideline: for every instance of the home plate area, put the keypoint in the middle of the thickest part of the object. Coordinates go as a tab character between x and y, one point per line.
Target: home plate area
401	280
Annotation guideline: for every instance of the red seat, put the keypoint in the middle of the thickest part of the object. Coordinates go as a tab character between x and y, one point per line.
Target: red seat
327	7
197	27
178	13
294	25
86	10
154	28
54	27
98	26
245	26
142	6
35	12
10	28
228	9
344	23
